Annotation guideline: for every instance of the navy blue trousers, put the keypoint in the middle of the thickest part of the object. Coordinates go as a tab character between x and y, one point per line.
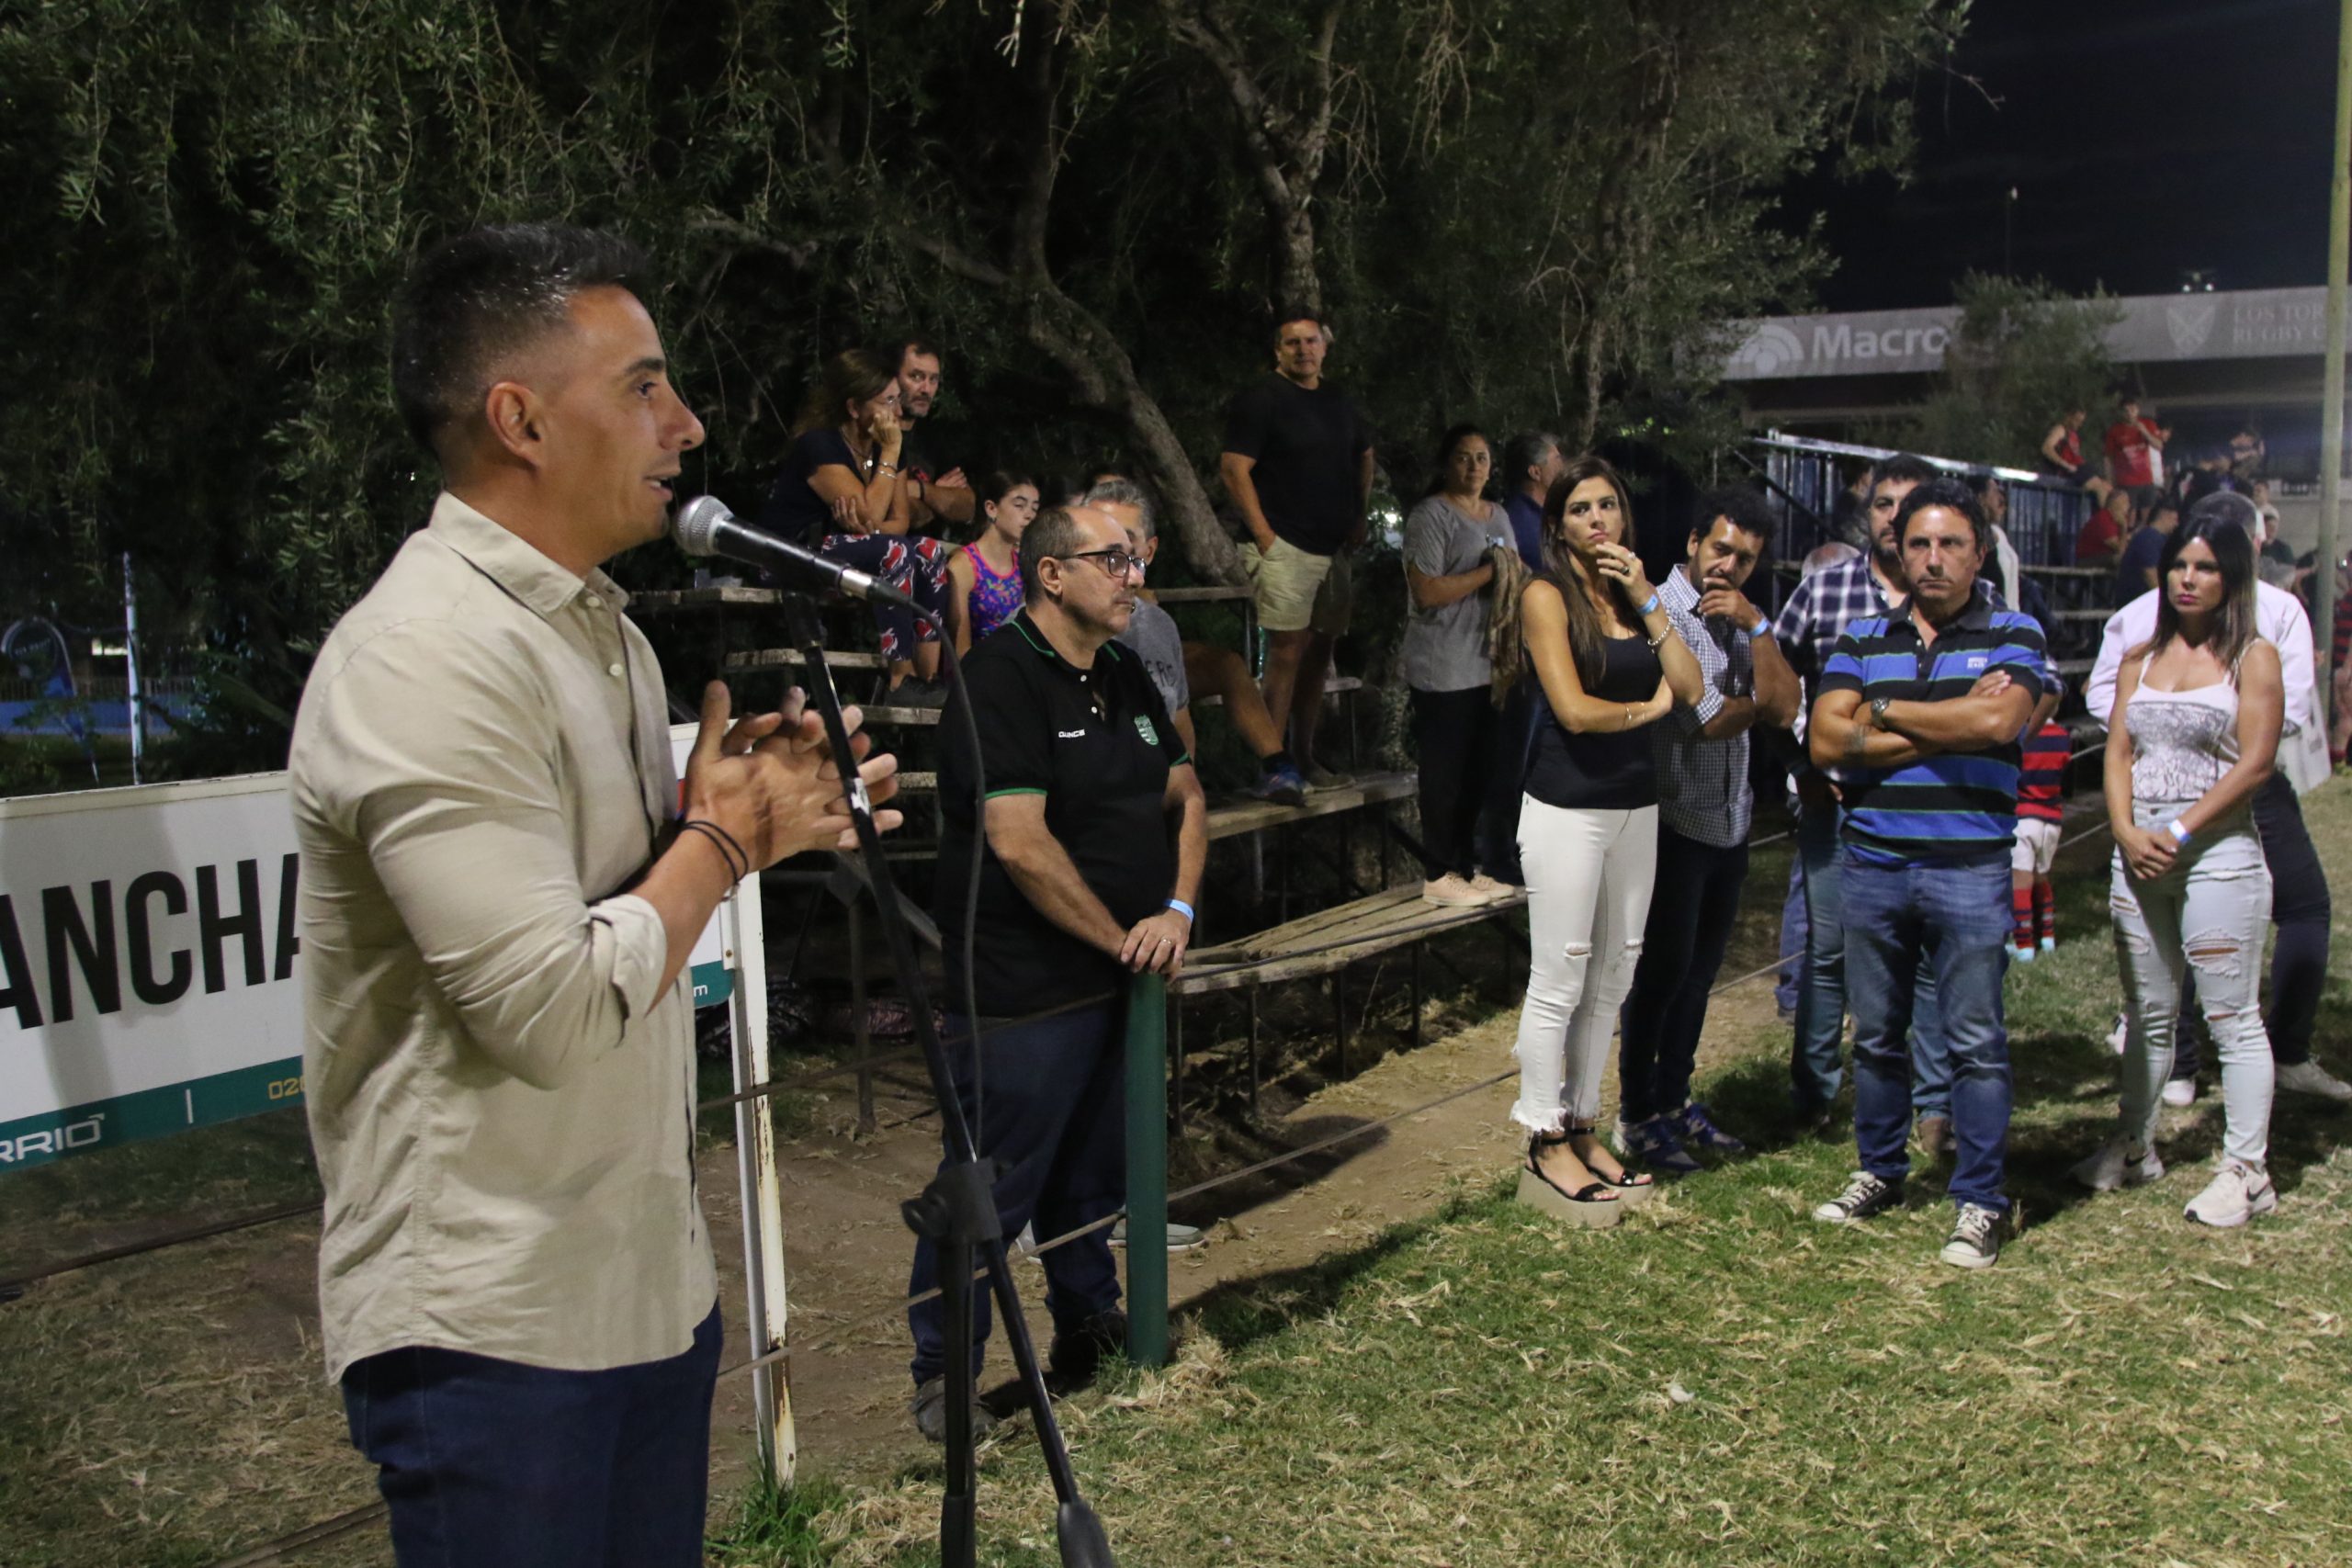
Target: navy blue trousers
1052	1112
490	1462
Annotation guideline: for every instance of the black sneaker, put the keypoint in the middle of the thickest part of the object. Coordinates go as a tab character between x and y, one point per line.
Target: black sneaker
930	1407
916	692
1078	1353
1865	1195
1975	1240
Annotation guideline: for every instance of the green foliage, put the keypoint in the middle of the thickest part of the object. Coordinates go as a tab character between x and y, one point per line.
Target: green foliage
2021	356
1530	214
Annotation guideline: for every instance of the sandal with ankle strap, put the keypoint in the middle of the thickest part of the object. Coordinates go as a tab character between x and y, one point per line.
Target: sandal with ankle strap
1631	1183
1596	1204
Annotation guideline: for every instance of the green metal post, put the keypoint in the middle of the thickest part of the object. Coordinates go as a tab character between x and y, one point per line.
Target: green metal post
1147	1171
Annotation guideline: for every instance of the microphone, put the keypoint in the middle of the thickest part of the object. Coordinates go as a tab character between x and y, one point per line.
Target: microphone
704	528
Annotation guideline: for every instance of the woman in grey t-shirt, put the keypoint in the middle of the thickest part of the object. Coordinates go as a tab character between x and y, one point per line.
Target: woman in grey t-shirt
1448	587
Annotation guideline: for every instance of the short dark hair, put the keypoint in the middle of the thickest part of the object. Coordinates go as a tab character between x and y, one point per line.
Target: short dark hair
1947	493
915	344
1053	533
1741	506
1295	311
1526	449
1905	468
475	298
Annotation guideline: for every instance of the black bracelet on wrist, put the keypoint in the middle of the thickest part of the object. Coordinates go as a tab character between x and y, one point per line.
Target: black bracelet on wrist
738	863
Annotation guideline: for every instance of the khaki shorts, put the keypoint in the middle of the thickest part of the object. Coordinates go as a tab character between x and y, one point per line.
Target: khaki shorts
1299	590
2035	847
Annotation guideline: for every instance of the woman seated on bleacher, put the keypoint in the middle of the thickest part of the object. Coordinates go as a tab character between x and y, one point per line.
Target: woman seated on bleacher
839	494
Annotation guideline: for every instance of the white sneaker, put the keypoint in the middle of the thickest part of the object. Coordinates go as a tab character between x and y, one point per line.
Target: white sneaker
2180	1091
1451	890
2121	1036
2234	1196
2113	1166
1975	1241
2310	1077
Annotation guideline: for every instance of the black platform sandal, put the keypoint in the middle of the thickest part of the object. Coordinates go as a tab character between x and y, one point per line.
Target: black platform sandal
1632	1184
1596	1204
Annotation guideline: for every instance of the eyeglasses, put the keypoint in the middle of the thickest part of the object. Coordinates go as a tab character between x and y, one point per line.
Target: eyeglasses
1118	563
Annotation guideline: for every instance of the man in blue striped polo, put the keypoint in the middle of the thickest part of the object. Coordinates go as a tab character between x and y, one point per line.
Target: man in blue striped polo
1922	708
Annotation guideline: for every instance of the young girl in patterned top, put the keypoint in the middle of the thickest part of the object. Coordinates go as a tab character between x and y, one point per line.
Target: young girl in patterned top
984	577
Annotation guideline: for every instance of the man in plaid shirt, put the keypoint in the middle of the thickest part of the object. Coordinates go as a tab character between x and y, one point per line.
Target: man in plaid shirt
1705	804
1810	624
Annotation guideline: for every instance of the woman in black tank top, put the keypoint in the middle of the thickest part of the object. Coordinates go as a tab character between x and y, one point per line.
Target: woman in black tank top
1606	664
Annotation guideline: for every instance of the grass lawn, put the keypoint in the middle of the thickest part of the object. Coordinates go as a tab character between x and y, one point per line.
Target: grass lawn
1721	1381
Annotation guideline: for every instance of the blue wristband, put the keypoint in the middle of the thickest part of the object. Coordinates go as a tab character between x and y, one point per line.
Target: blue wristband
2180	835
1651	605
1182	909
1761	629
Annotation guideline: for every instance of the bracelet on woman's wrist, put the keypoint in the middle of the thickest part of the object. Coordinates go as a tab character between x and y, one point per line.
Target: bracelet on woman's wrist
2180	835
1650	606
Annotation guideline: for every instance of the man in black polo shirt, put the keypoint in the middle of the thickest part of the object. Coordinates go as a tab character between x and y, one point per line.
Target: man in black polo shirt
1095	831
1923	706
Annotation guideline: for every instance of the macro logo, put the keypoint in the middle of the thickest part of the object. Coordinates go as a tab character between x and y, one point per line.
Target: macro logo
1770	349
2190	322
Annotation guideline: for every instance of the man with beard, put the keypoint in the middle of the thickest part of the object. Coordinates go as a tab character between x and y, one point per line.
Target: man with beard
935	495
1705	804
1808	628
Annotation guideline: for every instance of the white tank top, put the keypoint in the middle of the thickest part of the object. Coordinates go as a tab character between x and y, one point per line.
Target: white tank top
2182	742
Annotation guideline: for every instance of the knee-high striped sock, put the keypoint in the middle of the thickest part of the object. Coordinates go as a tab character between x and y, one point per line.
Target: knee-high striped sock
2045	909
2021	916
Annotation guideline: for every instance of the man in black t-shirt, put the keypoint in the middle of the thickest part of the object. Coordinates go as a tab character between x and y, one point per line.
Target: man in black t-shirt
1298	465
1094	832
935	496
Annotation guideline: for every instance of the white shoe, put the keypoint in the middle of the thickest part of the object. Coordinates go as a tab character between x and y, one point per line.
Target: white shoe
2180	1091
1494	890
2115	1166
1025	1243
2121	1036
2310	1077
1451	890
2234	1196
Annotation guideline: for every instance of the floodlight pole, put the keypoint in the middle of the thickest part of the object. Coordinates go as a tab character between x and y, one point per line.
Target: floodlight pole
2331	440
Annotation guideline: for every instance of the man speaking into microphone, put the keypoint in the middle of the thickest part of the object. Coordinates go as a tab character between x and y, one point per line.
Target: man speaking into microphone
499	896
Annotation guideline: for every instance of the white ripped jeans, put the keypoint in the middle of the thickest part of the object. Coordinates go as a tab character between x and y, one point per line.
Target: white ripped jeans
1588	873
2209	912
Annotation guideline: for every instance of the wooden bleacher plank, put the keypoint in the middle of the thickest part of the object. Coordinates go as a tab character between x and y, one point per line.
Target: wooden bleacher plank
1247	816
1341	936
656	599
790	658
882	713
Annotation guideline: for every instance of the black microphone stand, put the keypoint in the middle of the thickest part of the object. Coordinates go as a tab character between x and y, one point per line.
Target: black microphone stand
958	1212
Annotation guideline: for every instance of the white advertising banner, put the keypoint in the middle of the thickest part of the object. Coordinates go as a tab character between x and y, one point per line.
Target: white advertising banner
150	972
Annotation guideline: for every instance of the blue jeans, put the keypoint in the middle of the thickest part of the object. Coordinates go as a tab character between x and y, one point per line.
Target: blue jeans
1053	1117
1792	940
1815	1068
1903	923
493	1463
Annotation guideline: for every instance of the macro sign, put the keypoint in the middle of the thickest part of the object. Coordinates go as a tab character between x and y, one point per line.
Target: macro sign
151	965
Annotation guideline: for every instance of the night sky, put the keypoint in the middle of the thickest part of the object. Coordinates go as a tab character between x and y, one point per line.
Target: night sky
2145	140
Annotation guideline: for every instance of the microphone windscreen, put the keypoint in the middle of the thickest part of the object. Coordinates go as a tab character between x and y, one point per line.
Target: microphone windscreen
698	520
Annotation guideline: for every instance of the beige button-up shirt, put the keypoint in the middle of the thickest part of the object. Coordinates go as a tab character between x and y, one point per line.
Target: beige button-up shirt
501	1093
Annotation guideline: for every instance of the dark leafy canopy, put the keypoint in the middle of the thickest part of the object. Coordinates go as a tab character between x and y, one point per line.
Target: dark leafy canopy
1519	210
